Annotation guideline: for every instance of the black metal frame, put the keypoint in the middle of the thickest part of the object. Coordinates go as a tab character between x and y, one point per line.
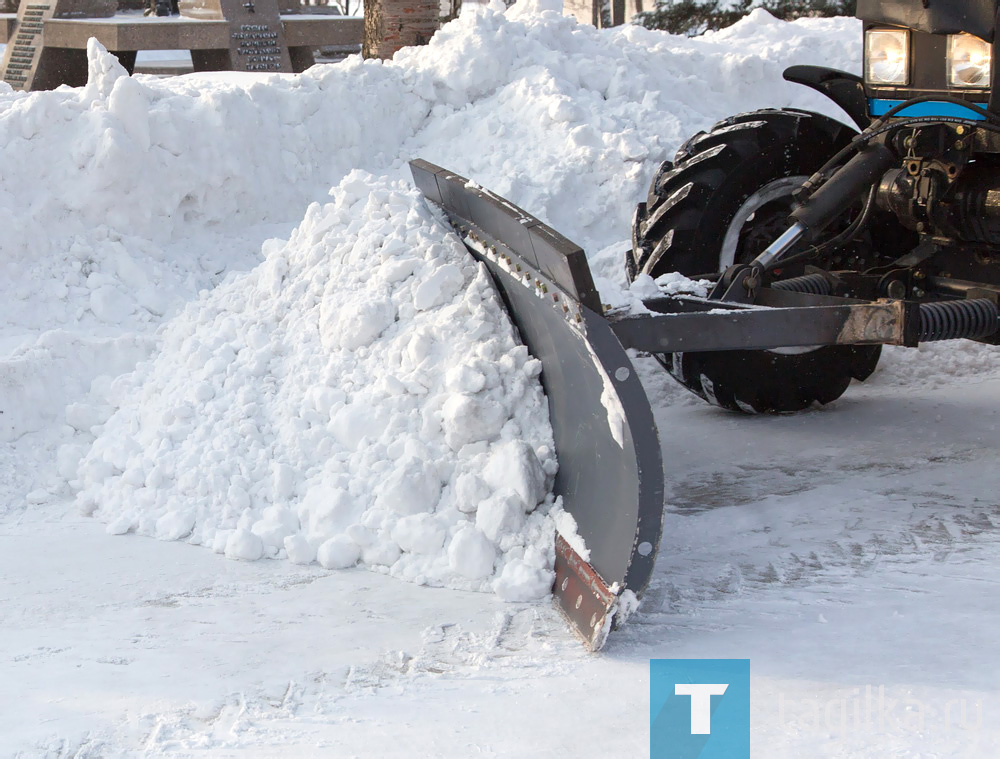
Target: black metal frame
778	319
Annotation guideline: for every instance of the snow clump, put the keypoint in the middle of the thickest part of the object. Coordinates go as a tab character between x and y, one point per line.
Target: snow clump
358	398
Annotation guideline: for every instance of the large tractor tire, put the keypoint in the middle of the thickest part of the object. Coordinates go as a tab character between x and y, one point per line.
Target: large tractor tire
725	197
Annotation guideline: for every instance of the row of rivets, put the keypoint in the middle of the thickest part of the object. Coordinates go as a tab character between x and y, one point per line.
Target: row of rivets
541	287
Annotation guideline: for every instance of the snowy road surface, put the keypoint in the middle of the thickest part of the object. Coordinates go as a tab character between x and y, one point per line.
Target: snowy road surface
842	551
851	553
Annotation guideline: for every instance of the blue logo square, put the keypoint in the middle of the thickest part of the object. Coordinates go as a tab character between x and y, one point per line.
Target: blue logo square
699	708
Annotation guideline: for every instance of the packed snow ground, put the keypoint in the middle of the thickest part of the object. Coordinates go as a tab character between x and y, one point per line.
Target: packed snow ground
165	243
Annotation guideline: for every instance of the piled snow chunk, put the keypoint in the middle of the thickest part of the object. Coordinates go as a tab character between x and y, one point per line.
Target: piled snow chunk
472	554
359	397
339	552
243	544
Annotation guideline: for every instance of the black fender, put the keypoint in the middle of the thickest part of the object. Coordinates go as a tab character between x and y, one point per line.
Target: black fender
845	89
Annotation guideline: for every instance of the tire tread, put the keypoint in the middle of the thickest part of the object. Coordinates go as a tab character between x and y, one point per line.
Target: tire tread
677	229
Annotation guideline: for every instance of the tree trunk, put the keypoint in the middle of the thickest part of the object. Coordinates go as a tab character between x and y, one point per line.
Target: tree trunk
392	24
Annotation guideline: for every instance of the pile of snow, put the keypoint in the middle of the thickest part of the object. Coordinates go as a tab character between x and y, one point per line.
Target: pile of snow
123	200
359	396
120	201
109	185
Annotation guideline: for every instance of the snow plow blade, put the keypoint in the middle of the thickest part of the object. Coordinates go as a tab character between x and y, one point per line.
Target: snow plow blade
610	474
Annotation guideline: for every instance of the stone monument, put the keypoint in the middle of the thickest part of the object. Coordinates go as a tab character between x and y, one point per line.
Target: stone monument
256	39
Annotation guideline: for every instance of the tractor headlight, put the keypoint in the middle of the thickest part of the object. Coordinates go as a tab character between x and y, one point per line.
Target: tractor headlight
887	56
969	61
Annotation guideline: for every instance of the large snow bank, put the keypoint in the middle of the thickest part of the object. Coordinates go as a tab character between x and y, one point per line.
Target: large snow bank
123	199
360	395
292	402
567	120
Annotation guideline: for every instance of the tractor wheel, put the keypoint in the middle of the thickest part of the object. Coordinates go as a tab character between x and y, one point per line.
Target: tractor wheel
724	199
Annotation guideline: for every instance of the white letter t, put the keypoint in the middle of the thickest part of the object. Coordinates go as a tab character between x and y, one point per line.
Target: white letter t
701	704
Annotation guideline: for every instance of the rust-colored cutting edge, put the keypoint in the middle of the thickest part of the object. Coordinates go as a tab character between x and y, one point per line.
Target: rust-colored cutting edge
583	597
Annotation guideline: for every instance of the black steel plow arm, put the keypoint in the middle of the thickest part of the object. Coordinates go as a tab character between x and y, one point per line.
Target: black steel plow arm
685	324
